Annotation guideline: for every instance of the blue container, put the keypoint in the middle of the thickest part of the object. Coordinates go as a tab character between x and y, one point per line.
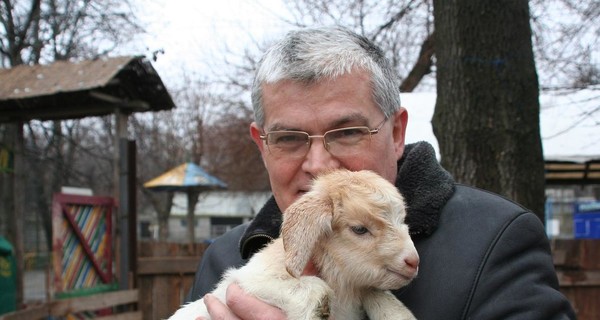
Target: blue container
587	220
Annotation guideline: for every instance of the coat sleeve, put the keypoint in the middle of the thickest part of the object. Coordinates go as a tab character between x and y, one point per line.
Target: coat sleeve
516	278
221	255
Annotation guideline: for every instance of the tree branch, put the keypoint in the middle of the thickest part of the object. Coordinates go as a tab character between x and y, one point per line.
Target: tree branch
393	20
421	67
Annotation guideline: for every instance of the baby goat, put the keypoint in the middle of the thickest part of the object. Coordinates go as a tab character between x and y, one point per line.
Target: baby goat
351	224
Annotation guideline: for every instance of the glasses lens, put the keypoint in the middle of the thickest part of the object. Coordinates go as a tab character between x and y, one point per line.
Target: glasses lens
287	143
347	140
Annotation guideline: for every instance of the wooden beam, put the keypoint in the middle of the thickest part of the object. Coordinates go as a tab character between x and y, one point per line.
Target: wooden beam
580	278
167	265
33	313
60	308
137	104
93	302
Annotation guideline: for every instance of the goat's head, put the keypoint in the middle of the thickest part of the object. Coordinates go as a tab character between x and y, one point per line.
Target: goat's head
352	225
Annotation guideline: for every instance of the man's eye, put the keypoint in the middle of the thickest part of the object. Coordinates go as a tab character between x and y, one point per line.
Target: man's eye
351	132
289	138
349	135
359	229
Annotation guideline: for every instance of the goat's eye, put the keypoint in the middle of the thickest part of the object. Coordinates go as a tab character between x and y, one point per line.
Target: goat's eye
359	229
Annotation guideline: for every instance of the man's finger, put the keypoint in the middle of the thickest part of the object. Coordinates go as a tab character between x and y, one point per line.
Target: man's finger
217	309
247	307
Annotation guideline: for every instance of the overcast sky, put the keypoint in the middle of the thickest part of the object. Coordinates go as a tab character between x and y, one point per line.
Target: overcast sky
194	34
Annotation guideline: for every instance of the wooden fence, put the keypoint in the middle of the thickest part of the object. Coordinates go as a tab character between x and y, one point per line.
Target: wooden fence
165	275
578	268
103	301
166	272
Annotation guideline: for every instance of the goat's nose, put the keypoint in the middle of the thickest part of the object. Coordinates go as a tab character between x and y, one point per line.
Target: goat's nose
412	261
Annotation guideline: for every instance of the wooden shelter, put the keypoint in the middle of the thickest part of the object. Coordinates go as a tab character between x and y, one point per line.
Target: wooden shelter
68	90
78	89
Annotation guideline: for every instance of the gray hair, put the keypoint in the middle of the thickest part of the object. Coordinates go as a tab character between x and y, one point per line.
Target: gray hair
309	55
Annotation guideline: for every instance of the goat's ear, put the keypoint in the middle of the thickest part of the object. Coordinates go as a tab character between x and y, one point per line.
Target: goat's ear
304	224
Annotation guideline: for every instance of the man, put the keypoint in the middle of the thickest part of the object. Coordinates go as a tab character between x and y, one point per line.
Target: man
327	98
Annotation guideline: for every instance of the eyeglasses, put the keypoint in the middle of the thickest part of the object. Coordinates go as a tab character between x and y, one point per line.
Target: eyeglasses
339	142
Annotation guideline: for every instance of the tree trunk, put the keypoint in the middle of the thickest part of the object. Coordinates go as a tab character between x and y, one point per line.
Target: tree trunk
486	118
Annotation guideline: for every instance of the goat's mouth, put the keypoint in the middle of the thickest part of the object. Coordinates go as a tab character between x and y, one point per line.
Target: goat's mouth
395	279
404	275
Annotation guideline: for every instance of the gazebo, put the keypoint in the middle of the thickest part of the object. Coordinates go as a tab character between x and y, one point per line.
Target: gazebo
190	179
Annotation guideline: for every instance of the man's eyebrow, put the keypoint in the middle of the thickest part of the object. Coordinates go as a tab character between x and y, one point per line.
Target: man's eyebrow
350	118
281	127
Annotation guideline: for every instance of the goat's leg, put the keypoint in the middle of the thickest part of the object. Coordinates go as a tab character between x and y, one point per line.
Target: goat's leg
305	298
383	305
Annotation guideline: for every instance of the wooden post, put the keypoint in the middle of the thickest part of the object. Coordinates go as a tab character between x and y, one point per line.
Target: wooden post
122	237
18	211
127	211
192	196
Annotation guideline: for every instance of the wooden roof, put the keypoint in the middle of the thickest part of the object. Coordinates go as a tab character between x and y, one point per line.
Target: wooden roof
565	172
69	90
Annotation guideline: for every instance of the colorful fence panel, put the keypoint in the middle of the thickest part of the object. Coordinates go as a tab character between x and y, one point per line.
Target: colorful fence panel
82	244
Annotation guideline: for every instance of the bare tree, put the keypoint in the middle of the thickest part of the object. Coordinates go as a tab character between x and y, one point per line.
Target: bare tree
231	154
42	31
486	117
566	43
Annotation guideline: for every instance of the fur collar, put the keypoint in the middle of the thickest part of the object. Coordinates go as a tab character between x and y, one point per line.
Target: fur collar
425	185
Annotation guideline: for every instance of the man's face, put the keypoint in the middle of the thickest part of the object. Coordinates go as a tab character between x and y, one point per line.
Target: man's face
316	108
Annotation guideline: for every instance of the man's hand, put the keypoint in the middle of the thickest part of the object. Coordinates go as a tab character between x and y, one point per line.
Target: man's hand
241	306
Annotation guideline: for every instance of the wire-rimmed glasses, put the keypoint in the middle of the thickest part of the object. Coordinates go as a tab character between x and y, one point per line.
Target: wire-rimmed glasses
339	142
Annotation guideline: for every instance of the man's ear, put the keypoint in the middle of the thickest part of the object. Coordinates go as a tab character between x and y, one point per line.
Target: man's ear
255	134
399	121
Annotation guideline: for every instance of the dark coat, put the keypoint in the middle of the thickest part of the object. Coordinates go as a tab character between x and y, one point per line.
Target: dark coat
482	256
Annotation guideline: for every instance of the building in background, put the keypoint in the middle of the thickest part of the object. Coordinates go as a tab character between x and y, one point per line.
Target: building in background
216	213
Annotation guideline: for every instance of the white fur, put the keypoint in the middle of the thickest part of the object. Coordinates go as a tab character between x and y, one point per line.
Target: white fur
357	268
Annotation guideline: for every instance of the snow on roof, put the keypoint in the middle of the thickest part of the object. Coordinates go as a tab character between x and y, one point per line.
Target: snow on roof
569	122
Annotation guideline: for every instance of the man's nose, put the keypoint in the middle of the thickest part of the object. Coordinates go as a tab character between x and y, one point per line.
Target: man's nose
318	159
